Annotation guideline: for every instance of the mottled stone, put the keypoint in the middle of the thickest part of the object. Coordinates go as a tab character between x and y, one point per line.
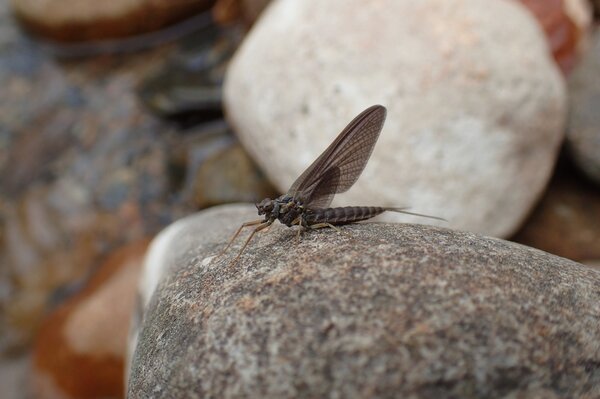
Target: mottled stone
386	310
583	136
82	20
81	347
476	105
565	222
84	168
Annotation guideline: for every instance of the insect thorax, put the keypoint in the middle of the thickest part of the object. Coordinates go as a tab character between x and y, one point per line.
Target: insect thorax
285	209
289	210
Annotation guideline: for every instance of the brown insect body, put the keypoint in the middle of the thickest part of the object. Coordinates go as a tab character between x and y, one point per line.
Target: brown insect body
342	215
306	203
290	213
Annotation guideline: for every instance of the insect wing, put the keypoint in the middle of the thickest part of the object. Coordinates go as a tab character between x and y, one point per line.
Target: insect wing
338	168
325	190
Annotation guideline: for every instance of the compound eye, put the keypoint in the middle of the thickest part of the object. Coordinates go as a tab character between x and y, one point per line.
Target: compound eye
264	206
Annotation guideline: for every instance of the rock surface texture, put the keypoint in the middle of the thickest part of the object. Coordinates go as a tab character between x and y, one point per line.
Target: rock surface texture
475	103
391	311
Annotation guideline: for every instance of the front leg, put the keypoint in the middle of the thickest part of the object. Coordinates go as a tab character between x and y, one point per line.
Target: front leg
237	233
260	227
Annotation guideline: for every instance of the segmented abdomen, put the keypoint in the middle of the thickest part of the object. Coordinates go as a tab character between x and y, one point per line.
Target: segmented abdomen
342	215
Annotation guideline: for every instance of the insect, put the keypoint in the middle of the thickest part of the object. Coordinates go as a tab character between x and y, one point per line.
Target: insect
306	204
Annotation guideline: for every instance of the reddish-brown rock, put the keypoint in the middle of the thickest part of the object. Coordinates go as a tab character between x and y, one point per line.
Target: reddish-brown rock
83	20
80	350
228	11
565	23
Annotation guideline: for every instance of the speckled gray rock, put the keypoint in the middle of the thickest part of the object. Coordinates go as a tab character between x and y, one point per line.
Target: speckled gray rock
583	135
394	311
476	105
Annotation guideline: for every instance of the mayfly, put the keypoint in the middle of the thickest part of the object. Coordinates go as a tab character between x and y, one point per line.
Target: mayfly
306	204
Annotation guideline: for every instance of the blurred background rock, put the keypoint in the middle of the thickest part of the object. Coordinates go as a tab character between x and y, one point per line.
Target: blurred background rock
102	143
111	127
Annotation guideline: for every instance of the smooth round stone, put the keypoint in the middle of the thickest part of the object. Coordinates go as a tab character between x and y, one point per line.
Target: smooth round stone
476	105
385	310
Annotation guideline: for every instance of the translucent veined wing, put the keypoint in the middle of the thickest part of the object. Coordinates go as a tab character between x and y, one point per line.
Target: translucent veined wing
338	168
326	189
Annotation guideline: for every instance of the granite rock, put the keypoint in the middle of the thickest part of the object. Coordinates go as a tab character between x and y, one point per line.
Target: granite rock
386	310
475	102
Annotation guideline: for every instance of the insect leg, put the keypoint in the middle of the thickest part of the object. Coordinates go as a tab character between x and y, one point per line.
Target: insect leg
256	230
247	224
301	223
299	233
325	224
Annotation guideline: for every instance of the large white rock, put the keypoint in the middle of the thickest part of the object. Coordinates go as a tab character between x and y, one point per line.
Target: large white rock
476	105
